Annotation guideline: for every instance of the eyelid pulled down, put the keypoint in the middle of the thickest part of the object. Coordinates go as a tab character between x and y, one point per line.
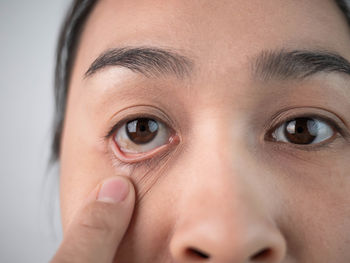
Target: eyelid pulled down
156	153
145	157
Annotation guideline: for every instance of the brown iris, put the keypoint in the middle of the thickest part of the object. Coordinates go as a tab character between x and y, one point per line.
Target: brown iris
142	130
301	130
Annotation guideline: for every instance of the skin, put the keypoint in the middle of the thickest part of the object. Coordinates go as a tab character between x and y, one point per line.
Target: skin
221	188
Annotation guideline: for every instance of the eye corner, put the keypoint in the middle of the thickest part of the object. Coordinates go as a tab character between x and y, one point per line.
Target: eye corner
148	156
328	129
268	135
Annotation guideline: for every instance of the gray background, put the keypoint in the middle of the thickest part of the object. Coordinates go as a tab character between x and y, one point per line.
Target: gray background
29	217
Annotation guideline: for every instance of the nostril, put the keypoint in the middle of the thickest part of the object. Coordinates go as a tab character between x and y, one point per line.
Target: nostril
262	254
196	254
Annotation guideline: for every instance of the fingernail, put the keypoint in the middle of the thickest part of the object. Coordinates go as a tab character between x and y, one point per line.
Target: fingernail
114	190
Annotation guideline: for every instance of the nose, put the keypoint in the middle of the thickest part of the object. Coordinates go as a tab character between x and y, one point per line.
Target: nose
224	213
209	241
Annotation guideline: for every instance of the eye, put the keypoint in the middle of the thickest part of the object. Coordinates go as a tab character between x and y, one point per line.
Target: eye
304	131
142	135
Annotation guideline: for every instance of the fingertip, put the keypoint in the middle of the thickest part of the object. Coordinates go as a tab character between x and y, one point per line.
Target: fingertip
114	190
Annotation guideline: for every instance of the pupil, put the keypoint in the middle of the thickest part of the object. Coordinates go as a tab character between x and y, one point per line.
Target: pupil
297	131
142	130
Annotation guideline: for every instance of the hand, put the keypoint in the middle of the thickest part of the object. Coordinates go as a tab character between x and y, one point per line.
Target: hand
96	231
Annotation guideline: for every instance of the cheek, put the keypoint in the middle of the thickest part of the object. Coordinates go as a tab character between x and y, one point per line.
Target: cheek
317	201
157	187
149	230
84	164
317	224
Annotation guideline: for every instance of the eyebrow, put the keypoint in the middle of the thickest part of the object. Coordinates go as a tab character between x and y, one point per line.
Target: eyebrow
297	64
267	65
149	61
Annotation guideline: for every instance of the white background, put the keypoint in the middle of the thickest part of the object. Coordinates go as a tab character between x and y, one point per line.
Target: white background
29	215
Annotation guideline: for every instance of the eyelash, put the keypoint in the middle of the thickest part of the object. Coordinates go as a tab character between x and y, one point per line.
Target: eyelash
145	162
276	122
311	147
116	126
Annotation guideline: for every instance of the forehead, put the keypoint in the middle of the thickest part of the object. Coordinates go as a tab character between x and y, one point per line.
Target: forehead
214	31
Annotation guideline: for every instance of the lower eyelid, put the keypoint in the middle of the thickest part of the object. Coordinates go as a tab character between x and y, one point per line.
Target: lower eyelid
327	144
142	157
128	146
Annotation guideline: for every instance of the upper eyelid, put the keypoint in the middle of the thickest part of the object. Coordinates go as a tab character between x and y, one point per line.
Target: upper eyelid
131	117
338	125
327	120
338	132
144	158
305	112
278	119
139	111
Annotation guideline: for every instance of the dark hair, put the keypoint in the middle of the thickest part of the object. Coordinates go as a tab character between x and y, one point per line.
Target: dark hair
66	52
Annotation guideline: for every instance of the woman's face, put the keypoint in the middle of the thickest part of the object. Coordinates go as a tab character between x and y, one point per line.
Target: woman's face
233	151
